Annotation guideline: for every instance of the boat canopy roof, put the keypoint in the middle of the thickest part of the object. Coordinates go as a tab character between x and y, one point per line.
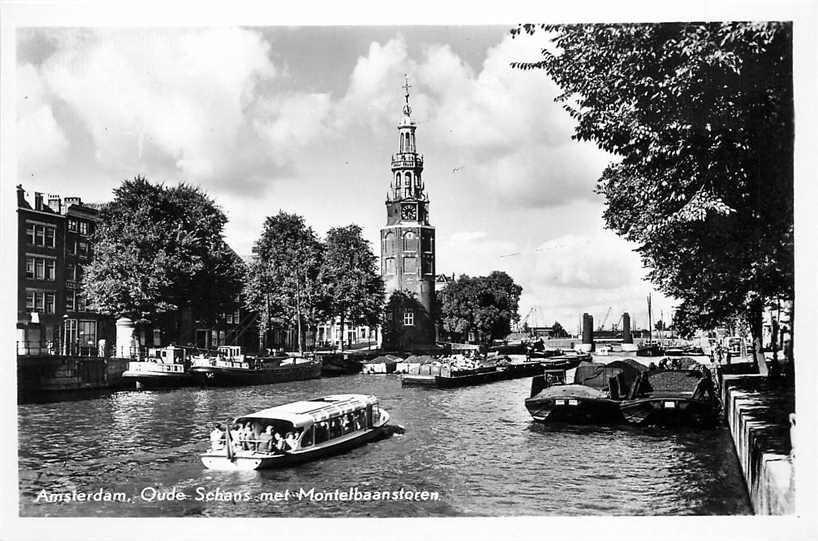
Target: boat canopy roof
306	412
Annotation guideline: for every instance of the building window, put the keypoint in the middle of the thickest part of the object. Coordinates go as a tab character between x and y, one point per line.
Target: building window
87	333
389	265
30	267
70	272
41	235
83	228
70	300
50	269
410	242
408	318
30	300
82	303
157	337
50	303
72	224
83	249
389	242
74	248
410	265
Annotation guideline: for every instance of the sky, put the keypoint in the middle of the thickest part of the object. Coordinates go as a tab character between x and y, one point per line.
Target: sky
304	119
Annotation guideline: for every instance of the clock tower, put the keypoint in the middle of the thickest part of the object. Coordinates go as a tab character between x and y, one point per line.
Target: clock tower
408	244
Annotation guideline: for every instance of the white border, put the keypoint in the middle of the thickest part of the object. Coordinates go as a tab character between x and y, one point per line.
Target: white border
142	14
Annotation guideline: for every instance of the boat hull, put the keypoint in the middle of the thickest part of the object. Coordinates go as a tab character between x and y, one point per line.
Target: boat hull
218	460
209	376
476	377
142	380
670	411
575	410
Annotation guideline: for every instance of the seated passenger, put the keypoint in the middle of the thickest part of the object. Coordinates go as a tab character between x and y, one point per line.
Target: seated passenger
217	438
280	444
265	440
291	441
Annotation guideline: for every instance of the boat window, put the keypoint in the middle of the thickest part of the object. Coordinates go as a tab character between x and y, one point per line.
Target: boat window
321	432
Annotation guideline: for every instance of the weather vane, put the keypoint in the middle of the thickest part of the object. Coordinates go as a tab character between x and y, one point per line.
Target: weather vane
406	86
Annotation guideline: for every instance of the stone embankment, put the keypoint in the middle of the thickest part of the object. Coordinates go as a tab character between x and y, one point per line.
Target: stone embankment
760	414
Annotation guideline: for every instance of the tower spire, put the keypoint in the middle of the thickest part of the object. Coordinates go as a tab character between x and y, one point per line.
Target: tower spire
406	86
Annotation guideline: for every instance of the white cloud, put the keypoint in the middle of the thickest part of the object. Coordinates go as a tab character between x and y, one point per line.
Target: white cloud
467	236
40	140
178	94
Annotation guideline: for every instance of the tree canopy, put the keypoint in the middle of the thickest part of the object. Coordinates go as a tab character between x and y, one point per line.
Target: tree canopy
349	274
282	281
160	248
485	305
699	117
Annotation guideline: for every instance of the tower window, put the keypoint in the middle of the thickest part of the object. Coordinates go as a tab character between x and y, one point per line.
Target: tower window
410	242
408	318
389	242
389	265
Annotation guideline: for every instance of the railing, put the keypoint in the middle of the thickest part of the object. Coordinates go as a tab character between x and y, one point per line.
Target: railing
35	348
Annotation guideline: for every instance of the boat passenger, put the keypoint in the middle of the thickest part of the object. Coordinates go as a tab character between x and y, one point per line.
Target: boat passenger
291	441
264	440
279	443
217	438
235	437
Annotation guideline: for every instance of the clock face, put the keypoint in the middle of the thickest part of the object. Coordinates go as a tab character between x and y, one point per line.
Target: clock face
408	212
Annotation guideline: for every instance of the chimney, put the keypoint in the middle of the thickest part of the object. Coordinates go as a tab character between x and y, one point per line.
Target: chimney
21	196
54	202
72	201
38	201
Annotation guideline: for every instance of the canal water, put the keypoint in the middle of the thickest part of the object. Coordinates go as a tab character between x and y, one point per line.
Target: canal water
475	447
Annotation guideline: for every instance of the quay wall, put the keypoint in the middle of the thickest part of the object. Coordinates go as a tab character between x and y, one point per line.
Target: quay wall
47	373
758	412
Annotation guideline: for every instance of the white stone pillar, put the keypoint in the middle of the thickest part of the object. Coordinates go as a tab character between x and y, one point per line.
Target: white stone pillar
124	336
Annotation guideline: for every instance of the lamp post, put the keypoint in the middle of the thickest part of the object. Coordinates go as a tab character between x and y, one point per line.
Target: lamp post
65	334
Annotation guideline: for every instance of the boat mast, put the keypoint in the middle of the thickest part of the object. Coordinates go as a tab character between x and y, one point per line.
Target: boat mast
650	323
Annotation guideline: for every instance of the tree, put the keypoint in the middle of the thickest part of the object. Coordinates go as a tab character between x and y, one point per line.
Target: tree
282	280
485	305
558	331
349	275
159	249
700	117
659	326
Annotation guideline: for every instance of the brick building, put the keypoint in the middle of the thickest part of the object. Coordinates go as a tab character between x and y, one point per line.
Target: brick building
54	242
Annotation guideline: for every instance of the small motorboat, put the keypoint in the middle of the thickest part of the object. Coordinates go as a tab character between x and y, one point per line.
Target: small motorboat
162	368
670	397
593	397
318	427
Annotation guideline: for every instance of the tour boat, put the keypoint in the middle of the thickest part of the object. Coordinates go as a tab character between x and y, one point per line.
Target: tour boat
164	367
322	427
673	397
231	367
593	397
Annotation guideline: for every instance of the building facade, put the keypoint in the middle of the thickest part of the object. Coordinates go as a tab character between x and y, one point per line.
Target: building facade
408	246
54	243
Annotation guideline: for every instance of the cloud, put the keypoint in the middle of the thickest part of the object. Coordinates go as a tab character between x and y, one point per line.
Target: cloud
468	236
40	140
163	96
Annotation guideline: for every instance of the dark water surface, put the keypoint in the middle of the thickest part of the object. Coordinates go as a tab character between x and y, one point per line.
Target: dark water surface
476	447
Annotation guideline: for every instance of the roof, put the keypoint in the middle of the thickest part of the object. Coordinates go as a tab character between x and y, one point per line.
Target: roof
306	412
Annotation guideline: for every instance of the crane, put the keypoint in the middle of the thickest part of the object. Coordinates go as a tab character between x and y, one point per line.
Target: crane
605	319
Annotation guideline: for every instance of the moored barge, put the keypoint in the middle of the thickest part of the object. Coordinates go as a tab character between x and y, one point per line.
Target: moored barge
230	367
